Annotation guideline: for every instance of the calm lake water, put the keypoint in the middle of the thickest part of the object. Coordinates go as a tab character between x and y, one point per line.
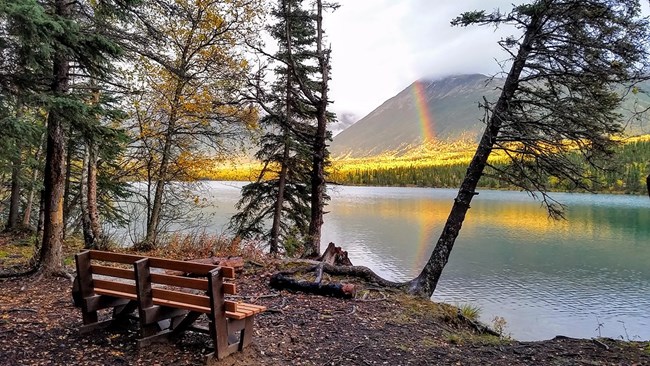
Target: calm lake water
579	277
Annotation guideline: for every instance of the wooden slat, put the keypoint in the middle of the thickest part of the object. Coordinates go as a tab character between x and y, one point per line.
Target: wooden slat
181	297
228	272
230	306
170	280
238	315
254	308
100	255
200	269
181	305
118	294
114	286
112	271
230	288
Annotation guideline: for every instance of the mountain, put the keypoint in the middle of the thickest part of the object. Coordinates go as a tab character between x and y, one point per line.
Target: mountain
439	110
448	108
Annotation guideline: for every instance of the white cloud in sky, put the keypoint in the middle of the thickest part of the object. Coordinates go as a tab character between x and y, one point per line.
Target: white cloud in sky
379	47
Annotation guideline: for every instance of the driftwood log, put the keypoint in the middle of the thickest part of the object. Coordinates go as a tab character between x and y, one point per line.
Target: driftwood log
283	281
334	261
336	256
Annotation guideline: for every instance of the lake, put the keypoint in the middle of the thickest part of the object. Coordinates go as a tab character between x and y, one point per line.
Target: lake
583	277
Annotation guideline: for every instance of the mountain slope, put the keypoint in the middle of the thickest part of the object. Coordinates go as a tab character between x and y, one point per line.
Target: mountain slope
400	122
445	110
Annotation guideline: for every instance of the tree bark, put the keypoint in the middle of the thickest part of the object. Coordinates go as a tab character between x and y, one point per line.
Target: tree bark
54	176
89	240
425	283
93	211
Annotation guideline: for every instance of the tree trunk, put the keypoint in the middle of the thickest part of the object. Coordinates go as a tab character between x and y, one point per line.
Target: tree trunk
426	282
16	170
279	202
54	176
30	196
93	211
14	201
89	240
67	205
41	216
161	179
318	168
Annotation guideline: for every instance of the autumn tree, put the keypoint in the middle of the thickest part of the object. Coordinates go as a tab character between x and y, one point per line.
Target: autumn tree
190	110
281	192
569	70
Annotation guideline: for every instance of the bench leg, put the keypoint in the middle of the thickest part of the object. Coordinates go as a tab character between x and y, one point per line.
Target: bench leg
89	317
246	333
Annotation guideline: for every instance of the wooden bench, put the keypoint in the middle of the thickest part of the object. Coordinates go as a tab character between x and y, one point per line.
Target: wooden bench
166	304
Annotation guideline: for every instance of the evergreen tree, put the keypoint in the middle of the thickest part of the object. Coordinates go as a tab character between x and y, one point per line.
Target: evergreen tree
59	39
281	192
319	99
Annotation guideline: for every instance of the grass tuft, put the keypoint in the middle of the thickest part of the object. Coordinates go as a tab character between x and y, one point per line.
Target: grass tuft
469	311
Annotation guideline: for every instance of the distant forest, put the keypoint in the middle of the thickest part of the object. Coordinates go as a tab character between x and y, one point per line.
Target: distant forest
625	173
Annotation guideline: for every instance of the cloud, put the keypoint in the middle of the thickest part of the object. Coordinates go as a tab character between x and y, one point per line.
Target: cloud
379	47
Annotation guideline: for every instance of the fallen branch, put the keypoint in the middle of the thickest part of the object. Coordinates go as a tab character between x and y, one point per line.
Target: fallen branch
362	272
22	309
281	281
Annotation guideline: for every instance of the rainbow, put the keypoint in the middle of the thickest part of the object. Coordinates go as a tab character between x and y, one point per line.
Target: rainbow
426	122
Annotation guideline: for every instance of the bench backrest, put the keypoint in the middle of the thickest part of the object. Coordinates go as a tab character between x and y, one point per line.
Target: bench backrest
143	280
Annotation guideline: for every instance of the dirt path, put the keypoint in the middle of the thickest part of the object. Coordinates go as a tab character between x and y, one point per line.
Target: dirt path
38	326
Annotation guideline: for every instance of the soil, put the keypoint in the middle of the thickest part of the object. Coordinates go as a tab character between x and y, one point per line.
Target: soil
39	326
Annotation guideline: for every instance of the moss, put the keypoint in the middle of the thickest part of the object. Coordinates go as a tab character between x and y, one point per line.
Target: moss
464	337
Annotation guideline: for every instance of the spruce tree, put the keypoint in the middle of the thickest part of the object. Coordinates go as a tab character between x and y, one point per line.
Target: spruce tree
57	39
281	192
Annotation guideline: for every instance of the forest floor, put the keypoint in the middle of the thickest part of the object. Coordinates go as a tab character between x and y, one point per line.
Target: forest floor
39	326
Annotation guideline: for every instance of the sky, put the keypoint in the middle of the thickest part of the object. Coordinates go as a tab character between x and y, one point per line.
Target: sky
379	47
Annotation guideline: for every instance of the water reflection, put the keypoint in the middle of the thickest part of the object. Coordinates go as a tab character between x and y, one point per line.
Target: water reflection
546	277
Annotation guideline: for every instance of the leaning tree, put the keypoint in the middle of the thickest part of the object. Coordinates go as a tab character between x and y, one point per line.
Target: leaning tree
569	71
